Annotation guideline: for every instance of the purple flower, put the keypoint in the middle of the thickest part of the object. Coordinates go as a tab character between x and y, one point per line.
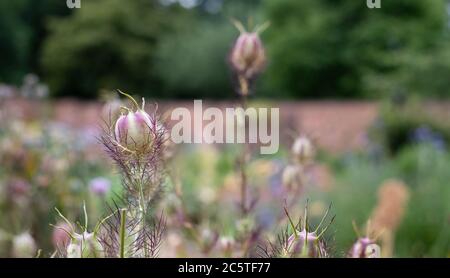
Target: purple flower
424	134
99	186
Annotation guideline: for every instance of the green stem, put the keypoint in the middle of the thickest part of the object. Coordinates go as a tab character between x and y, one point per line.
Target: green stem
123	215
143	212
243	164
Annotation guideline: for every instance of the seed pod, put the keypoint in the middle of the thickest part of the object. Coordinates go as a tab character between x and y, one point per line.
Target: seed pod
303	150
305	244
292	177
84	245
365	248
133	130
248	55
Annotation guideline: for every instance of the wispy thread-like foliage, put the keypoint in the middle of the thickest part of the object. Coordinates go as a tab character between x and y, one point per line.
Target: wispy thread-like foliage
133	231
140	170
293	241
142	237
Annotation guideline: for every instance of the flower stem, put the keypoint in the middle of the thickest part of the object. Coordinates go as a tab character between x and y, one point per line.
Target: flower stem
243	160
123	215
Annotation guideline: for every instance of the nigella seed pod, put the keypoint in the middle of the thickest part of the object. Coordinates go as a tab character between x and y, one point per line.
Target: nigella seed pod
81	245
293	177
365	248
133	130
303	150
305	244
85	245
248	55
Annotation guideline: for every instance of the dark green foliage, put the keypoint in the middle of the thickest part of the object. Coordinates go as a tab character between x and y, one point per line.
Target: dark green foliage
399	122
22	31
327	48
14	38
320	48
194	62
105	45
423	231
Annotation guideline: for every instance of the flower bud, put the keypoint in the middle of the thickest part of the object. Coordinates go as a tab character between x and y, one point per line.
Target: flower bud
303	150
84	245
23	246
365	248
133	130
248	55
292	177
305	244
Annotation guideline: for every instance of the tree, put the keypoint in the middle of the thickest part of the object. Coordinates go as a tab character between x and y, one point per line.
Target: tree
14	38
341	48
193	63
105	45
22	31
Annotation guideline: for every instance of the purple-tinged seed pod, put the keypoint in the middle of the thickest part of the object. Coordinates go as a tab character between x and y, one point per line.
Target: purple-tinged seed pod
303	150
305	244
248	56
365	248
133	130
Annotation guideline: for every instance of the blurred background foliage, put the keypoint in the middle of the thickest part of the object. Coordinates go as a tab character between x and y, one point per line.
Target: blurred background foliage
176	48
